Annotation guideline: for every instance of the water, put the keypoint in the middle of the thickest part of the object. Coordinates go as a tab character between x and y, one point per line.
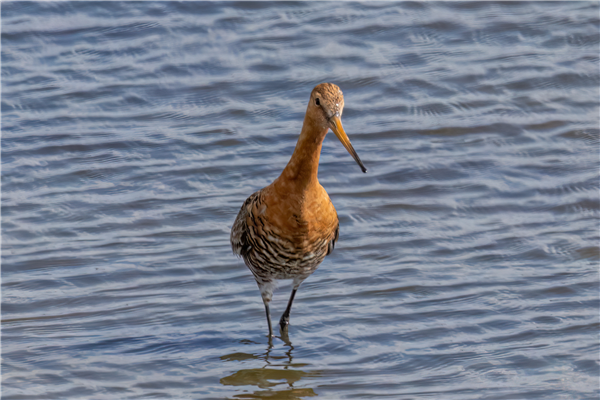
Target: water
467	265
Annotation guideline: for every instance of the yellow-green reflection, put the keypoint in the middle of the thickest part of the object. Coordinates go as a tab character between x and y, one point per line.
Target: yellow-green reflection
275	380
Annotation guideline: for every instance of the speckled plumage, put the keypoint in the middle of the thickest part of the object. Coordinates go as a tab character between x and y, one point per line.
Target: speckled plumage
281	251
285	230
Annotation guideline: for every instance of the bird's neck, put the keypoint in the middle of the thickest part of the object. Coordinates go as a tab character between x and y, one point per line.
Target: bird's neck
302	170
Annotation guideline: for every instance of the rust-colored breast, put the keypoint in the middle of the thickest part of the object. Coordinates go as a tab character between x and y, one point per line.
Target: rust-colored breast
281	235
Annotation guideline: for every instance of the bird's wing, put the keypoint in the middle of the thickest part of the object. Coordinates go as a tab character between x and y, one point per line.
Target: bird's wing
334	239
240	242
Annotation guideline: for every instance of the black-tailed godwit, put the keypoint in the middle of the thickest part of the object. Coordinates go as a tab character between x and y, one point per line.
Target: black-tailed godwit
285	230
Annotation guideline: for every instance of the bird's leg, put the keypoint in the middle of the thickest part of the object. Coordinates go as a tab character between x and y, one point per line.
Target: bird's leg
285	336
266	292
269	319
285	318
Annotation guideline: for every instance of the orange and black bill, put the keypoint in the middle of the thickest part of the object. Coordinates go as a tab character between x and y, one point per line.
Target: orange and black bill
335	123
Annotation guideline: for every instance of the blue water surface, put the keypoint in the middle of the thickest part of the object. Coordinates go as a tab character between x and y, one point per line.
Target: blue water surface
467	264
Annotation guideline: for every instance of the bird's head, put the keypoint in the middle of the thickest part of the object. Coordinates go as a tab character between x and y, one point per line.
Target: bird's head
325	108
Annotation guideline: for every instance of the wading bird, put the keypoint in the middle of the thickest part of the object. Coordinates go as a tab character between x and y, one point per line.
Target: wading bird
285	230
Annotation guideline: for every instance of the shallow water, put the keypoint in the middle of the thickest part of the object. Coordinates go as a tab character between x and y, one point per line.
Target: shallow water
467	265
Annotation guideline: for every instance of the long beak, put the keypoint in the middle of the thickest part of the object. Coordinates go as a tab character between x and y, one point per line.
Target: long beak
335	123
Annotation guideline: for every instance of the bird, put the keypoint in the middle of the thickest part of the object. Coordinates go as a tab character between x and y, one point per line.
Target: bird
285	230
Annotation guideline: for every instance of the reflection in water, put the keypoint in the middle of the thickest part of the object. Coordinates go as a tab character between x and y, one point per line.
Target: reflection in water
278	375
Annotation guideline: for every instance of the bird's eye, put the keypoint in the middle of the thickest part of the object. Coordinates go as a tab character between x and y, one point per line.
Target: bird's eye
317	102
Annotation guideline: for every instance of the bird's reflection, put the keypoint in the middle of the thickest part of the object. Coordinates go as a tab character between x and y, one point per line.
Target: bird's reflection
275	375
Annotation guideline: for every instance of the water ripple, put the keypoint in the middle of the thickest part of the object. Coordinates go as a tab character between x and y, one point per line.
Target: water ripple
467	261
